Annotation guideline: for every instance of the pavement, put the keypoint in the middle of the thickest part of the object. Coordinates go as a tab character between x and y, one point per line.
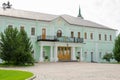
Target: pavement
73	71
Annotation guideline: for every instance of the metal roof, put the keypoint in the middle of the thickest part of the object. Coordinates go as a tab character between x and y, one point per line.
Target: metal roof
48	17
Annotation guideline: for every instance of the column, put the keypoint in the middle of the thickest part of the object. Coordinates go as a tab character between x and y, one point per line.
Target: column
81	54
73	54
41	53
55	54
51	53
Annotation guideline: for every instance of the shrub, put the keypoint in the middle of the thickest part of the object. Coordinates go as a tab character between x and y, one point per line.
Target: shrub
108	56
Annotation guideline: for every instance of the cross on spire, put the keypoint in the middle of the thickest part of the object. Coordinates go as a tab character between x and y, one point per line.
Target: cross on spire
79	15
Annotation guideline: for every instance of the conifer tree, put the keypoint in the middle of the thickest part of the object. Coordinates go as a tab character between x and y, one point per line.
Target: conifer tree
116	49
15	47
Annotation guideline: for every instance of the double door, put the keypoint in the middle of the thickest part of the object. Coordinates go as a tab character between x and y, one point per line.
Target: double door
64	53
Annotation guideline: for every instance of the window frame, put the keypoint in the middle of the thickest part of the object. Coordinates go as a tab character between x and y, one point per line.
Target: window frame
105	37
78	34
85	35
72	34
22	27
91	36
59	33
32	31
100	36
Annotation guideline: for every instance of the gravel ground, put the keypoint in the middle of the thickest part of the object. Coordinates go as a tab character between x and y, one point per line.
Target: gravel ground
73	71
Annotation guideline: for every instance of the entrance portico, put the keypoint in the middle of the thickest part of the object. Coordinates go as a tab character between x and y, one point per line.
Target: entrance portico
59	51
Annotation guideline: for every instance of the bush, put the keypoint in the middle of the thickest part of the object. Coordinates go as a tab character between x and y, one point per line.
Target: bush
46	57
108	56
77	57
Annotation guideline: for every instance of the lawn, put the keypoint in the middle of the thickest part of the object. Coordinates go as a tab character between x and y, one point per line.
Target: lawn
14	75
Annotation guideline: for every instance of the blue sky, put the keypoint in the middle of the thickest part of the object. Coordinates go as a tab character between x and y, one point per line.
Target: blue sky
105	12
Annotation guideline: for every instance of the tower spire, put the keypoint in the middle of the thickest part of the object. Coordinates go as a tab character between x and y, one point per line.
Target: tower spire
79	15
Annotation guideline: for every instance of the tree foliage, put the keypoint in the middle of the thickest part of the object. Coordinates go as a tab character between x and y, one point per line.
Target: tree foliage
16	47
116	49
108	56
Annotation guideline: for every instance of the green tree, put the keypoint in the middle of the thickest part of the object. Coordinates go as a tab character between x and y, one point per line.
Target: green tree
15	47
26	48
116	49
108	56
8	44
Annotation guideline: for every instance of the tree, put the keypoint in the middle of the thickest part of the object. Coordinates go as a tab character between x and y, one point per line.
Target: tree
8	44
108	56
15	47
26	48
116	49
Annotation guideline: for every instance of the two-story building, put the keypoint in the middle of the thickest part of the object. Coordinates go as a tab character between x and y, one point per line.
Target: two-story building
61	37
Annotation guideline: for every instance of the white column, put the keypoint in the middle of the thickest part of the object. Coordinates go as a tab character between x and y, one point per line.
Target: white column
55	54
41	53
81	54
73	54
51	53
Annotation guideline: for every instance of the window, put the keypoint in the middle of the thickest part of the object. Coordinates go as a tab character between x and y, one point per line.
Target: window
59	33
43	33
21	27
105	37
72	34
32	31
85	35
91	35
110	37
99	36
78	34
10	26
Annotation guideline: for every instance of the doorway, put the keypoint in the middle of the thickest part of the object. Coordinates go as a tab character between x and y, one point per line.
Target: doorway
91	56
64	53
43	33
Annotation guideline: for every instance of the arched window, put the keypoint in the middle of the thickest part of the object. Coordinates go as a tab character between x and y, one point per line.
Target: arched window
72	34
10	26
59	33
85	35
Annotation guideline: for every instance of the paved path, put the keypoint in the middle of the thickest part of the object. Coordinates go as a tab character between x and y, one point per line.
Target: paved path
74	71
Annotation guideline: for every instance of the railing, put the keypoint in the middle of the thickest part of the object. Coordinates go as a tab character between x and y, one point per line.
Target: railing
47	38
60	39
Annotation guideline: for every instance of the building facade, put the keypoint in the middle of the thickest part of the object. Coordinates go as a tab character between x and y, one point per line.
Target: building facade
61	37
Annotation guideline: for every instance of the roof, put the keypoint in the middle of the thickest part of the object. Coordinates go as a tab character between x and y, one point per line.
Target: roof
27	14
48	17
80	21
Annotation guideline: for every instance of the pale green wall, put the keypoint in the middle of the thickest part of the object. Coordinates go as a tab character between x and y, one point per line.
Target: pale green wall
61	24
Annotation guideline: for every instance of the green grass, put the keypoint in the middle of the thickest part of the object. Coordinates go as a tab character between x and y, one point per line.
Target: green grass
14	75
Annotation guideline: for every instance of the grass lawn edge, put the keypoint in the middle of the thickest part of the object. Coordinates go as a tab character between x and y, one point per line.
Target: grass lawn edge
31	78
